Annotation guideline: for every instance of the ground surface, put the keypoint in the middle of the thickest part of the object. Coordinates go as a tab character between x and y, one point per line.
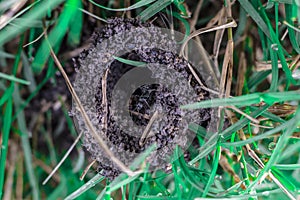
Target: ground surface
255	153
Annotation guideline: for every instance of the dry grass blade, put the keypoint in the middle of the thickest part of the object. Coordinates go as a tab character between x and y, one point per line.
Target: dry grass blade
47	169
20	173
37	39
218	38
226	70
241	75
87	169
244	114
196	13
200	82
63	159
147	129
104	100
92	15
10	174
227	167
4	19
230	24
286	191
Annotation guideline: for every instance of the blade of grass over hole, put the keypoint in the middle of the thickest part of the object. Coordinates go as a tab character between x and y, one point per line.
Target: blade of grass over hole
282	142
154	8
116	185
206	148
134	6
14	79
246	100
37	12
90	184
130	62
57	34
4	146
26	145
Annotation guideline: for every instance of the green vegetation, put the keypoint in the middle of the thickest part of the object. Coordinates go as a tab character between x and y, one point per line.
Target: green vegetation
254	154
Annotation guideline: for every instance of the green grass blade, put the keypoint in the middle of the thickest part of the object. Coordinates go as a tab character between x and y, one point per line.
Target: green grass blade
255	16
257	78
7	94
56	35
206	149
293	37
91	183
38	11
213	171
76	26
26	145
287	166
142	156
134	6
258	137
283	179
154	8
185	23
6	55
246	100
49	74
28	73
4	146
279	147
14	79
130	62
274	58
116	185
226	134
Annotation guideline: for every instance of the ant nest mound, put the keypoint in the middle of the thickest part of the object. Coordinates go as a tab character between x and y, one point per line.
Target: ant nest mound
131	106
